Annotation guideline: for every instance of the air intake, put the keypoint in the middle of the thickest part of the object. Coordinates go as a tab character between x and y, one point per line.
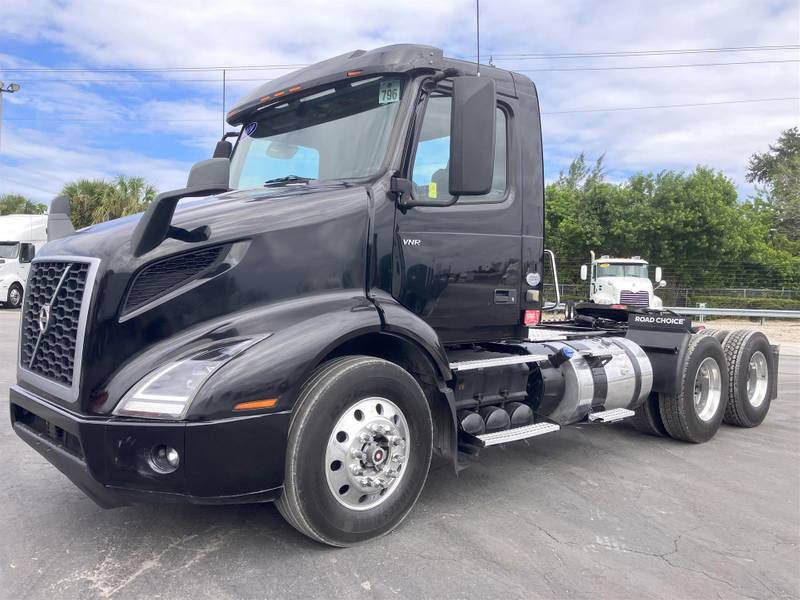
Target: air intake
168	274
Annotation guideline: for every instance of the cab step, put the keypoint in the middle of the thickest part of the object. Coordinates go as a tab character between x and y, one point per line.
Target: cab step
517	433
611	416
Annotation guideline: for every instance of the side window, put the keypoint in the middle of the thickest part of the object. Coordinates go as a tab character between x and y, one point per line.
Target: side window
27	253
430	172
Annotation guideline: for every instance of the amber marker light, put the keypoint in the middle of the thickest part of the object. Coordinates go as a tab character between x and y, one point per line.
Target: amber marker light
354	73
256	404
294	89
263	99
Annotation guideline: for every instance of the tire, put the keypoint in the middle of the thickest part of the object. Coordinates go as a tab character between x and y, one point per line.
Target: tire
648	417
750	361
15	292
718	334
313	501
683	418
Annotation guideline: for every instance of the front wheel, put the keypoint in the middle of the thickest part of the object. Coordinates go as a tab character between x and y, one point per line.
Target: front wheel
14	296
358	453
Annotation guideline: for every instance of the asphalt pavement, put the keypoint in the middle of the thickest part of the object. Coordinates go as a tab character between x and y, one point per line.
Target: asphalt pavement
593	511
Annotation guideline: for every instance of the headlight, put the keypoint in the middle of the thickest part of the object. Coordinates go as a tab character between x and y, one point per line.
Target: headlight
167	392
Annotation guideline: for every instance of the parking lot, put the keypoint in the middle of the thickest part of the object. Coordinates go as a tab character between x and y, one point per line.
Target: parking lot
592	511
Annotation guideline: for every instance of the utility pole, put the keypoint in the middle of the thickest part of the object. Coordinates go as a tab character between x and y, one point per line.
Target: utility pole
6	89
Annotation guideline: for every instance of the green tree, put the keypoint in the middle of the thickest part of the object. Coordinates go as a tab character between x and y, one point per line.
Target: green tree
125	196
96	200
777	175
17	204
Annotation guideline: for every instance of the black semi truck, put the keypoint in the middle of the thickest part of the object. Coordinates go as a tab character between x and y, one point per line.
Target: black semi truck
353	286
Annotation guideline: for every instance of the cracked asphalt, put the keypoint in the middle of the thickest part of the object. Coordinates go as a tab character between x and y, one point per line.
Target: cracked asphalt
594	511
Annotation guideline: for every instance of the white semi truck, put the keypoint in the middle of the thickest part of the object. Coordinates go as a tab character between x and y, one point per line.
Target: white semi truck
622	281
21	236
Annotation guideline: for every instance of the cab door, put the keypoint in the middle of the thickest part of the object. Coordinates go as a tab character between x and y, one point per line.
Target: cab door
458	267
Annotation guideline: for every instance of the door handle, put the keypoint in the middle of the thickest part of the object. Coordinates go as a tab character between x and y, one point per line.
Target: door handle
505	297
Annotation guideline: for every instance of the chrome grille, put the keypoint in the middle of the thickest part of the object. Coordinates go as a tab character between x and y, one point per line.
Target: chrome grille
51	319
634	298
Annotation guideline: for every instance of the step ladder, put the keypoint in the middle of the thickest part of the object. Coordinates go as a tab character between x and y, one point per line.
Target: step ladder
610	416
512	435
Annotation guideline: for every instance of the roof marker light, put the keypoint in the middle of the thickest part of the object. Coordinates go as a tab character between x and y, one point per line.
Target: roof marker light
354	73
294	89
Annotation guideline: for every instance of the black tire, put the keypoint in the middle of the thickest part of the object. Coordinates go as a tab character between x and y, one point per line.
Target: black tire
648	417
15	287
678	412
740	347
307	502
718	334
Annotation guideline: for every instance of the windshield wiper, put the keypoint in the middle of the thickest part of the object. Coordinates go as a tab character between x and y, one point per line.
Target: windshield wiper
288	179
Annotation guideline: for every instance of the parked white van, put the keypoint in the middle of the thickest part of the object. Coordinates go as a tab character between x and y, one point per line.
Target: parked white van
21	236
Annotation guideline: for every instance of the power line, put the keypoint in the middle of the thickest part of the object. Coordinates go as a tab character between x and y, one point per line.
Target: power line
520	56
558	112
637	53
28	185
136	81
644	67
658	106
154	69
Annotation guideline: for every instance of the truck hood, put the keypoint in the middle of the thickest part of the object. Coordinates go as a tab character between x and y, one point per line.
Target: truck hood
225	214
275	245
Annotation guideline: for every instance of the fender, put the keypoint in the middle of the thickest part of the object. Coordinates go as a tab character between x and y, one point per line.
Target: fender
397	319
300	333
6	281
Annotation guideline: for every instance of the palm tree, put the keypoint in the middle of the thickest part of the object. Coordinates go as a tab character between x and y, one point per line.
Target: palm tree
124	196
17	204
96	200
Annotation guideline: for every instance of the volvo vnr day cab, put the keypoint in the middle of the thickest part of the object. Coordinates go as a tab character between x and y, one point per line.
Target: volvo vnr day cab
20	238
622	281
349	289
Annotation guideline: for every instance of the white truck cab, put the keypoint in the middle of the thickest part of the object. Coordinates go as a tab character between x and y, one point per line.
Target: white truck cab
21	236
622	281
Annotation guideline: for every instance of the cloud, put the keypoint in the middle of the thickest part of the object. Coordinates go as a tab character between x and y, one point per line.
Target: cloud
158	127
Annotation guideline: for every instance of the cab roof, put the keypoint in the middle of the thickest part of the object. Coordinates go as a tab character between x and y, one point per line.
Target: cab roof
397	58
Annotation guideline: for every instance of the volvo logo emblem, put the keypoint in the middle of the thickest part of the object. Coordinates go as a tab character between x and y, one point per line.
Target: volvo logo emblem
44	317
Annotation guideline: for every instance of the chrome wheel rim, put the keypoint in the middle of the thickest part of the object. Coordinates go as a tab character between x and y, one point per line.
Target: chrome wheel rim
757	379
707	389
366	455
14	297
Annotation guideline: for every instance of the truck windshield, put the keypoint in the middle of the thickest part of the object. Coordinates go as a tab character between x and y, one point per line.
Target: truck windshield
337	133
9	249
621	270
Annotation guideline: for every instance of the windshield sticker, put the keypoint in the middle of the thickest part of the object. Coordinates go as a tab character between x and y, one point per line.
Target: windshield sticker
432	193
251	128
389	91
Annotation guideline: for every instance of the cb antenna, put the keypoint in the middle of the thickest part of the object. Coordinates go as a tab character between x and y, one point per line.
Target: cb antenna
478	35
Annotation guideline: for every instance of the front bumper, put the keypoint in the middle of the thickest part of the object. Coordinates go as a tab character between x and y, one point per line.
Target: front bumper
229	461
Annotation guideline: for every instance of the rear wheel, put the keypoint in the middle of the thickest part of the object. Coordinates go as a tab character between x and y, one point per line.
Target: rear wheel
695	411
358	453
750	369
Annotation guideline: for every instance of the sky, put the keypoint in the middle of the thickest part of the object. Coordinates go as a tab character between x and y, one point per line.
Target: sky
79	114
